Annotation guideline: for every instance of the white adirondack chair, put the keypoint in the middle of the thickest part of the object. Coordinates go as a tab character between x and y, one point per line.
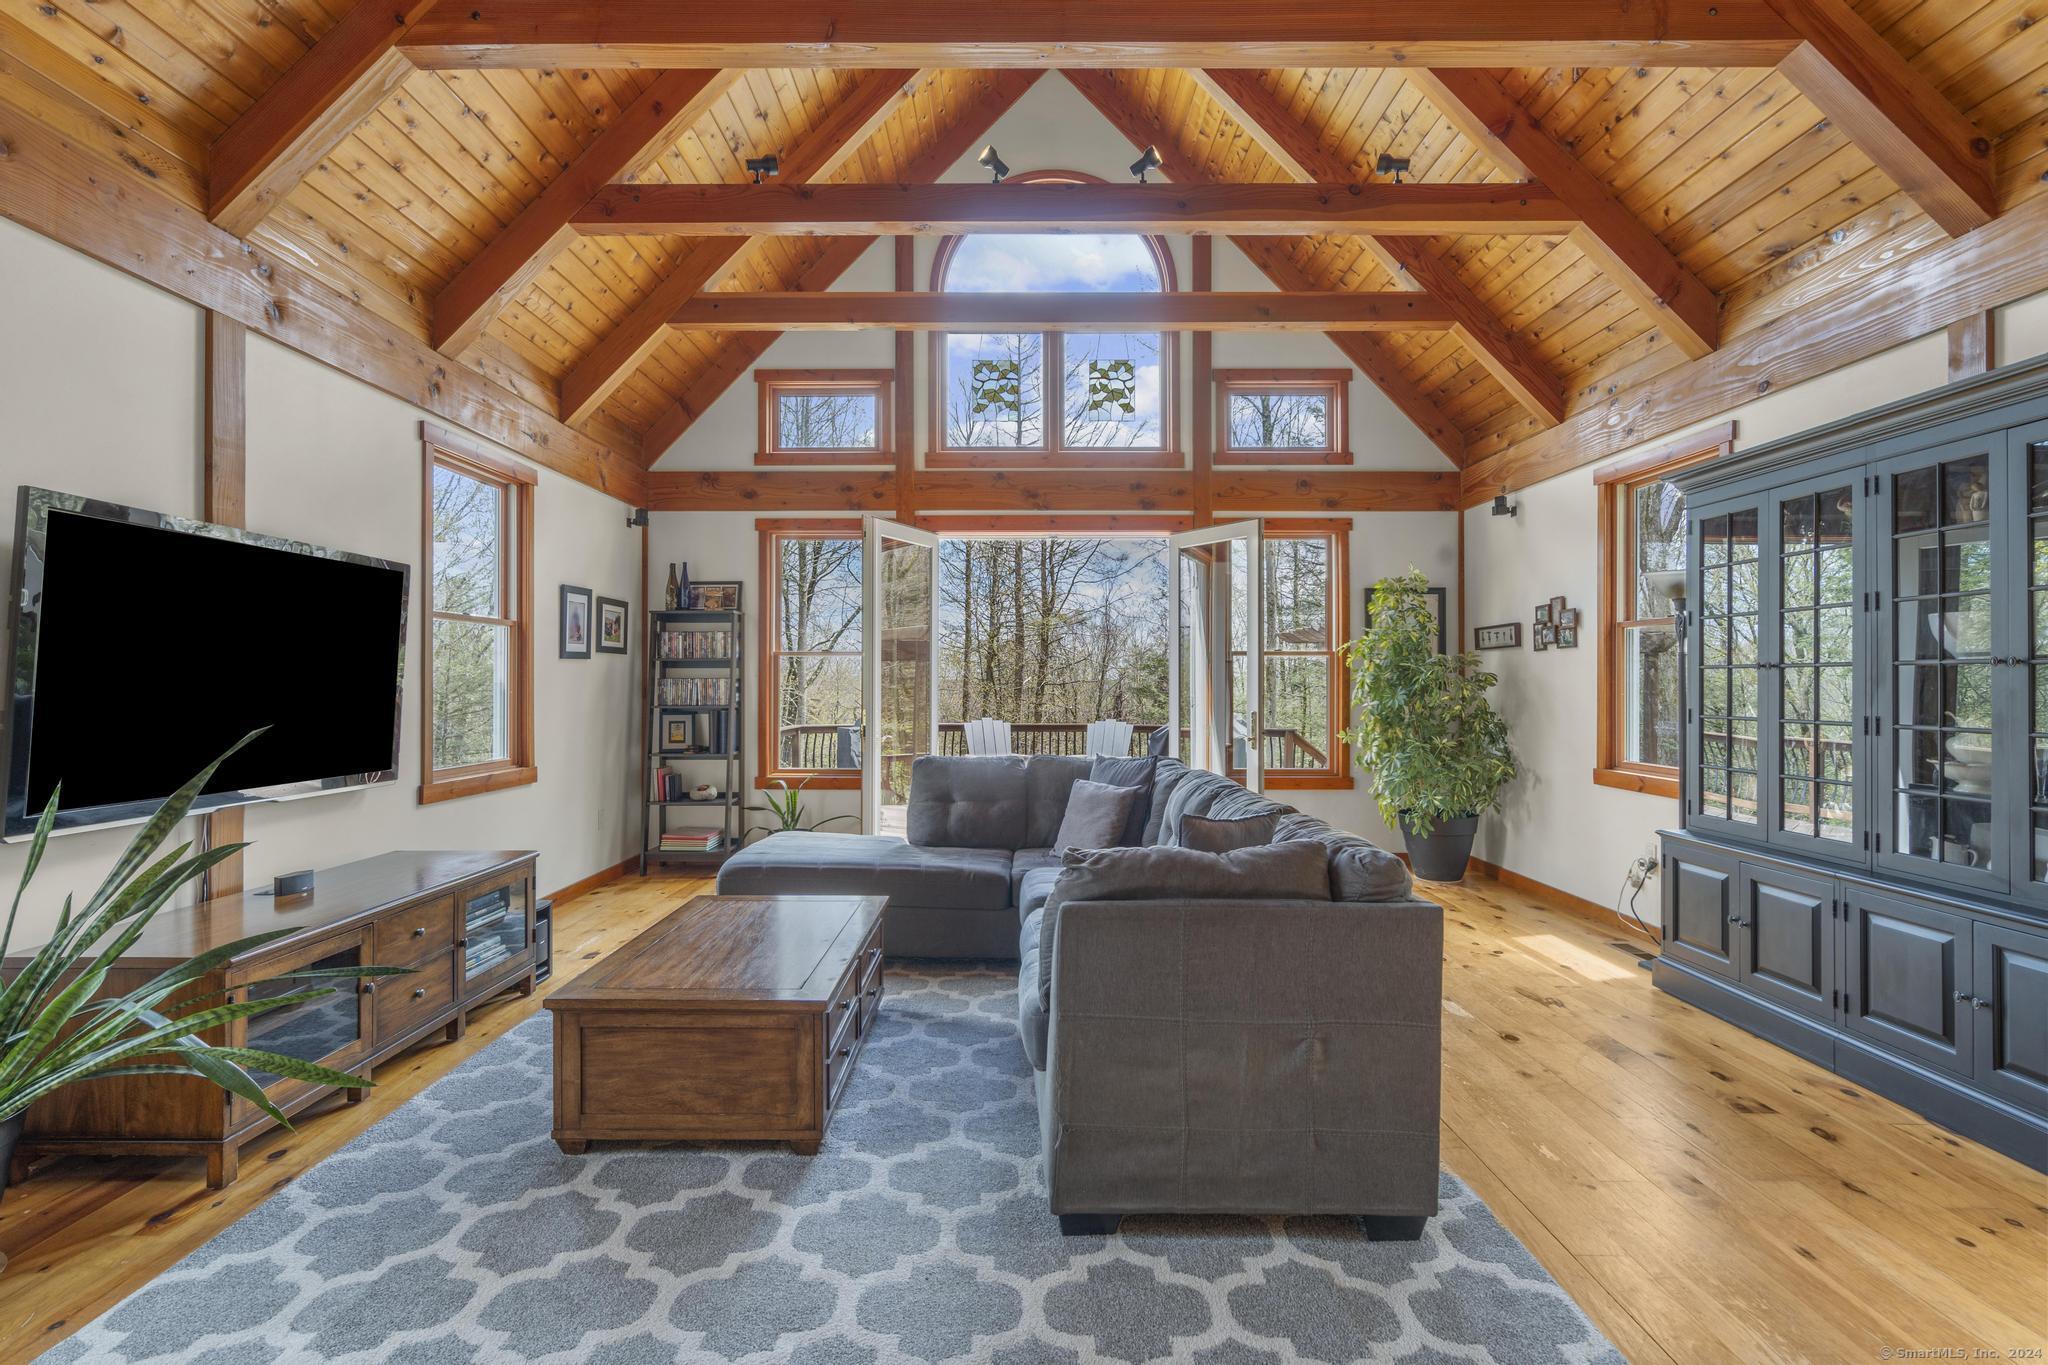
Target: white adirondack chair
988	736
1111	737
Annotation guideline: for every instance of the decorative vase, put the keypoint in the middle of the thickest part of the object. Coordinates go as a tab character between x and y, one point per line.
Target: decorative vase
10	1133
1441	854
672	597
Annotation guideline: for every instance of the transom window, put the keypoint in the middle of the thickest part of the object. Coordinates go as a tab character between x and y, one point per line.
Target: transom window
824	416
1073	398
1282	416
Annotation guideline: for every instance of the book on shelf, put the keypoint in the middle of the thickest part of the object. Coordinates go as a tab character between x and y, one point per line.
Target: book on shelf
695	644
693	691
692	840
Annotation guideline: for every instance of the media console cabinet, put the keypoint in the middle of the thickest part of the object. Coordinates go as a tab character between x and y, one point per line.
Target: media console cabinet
463	922
1863	873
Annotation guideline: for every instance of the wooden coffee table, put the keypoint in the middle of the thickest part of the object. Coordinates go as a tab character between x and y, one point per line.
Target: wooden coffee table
736	1017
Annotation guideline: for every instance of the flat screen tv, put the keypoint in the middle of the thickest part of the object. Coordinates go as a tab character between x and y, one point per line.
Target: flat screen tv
143	645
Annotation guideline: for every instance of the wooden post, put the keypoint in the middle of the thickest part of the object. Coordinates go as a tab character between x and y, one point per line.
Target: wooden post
1204	452
225	464
906	370
1972	345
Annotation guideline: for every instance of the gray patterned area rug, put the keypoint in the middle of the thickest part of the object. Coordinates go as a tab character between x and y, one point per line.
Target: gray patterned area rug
454	1230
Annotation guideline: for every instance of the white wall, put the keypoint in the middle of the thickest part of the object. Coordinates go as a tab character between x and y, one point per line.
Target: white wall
100	382
1558	826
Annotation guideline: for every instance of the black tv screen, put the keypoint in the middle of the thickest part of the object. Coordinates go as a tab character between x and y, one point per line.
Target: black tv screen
144	645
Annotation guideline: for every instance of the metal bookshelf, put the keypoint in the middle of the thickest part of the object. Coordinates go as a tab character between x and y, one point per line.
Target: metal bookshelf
691	762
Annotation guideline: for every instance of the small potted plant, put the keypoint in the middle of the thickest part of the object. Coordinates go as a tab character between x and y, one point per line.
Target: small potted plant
786	805
1437	751
57	1025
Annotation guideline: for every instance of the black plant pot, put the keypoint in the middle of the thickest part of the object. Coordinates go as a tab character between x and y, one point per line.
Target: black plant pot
10	1133
1441	854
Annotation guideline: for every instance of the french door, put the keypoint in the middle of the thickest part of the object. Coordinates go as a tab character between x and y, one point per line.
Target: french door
899	673
1216	602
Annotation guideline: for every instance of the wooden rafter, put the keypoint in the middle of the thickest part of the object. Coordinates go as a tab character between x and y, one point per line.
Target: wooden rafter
824	150
1626	250
264	154
515	256
1140	33
1506	357
1366	352
1893	114
936	210
847	311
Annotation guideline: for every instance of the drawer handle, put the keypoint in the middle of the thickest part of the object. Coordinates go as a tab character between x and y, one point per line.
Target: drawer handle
846	1051
419	993
420	932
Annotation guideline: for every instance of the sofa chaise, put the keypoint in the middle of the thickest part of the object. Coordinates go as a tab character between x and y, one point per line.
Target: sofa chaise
1254	1032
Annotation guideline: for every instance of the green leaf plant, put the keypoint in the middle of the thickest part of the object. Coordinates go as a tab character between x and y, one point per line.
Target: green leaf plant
1426	733
786	805
57	1025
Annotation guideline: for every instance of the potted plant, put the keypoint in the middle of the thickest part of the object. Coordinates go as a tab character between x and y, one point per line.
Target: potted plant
1437	752
786	805
56	1027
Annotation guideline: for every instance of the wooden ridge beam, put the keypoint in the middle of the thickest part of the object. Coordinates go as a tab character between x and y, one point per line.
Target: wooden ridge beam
1259	311
1371	357
998	91
1506	357
1616	240
1047	490
1922	294
824	150
505	267
1891	113
934	210
263	155
115	213
1135	33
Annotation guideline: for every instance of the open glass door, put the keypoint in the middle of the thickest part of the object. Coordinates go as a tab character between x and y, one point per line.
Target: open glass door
899	680
1213	673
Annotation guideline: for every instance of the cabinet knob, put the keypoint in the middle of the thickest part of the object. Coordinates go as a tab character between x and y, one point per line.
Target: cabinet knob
369	988
419	993
420	932
1980	1002
1961	996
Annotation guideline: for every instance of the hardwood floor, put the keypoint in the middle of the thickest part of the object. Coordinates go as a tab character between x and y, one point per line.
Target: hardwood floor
1704	1195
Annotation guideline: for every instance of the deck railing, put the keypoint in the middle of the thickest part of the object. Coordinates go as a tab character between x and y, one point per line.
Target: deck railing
826	747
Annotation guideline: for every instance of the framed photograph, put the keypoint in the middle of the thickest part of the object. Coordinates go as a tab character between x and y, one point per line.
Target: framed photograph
1569	617
1508	636
611	626
1546	636
714	597
1436	611
1542	615
677	733
575	622
1557	610
1567	637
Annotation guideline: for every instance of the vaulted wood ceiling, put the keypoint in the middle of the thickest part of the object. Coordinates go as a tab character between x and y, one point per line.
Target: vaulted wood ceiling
1727	193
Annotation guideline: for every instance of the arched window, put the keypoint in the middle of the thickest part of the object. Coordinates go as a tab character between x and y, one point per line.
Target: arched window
1073	398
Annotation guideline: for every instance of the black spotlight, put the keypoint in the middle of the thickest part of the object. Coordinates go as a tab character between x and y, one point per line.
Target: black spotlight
1501	506
1147	161
996	166
764	165
1396	166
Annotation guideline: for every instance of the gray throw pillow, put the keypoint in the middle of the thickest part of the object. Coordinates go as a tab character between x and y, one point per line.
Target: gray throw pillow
1096	815
1129	772
1205	835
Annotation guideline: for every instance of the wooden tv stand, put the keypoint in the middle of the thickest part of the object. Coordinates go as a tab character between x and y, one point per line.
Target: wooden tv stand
463	922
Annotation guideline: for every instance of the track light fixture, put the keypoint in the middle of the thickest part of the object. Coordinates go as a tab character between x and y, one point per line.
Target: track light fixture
1148	160
1502	507
1396	166
996	166
764	165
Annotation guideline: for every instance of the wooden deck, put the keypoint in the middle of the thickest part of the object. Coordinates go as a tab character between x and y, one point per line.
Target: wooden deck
1704	1195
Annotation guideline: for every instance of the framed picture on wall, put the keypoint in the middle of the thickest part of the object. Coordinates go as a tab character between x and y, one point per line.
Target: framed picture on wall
1508	636
1436	612
611	626
575	622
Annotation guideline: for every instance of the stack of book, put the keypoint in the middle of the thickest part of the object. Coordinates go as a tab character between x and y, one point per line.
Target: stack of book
695	644
692	840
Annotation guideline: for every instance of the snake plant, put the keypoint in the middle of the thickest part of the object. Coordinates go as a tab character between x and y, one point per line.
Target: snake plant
57	1027
787	806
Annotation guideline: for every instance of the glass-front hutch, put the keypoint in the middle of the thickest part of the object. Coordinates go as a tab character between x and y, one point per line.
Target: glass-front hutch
1862	875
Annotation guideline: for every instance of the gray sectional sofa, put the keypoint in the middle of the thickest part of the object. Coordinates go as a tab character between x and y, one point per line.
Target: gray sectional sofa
1250	1032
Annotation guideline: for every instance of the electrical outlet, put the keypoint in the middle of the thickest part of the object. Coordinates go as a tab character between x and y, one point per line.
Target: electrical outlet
1641	870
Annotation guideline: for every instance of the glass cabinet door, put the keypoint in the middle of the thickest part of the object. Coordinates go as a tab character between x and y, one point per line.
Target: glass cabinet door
1814	698
496	930
2029	680
1727	699
1938	715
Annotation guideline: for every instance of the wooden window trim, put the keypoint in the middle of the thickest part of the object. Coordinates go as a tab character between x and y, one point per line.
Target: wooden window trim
1337	776
440	447
773	384
1050	454
1616	549
771	531
1335	382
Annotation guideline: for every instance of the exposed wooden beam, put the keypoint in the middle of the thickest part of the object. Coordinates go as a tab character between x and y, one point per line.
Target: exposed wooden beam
904	443
1136	33
1202	450
995	93
1336	490
1054	490
1972	345
505	267
1893	114
225	480
935	210
265	153
1506	356
116	213
848	311
1922	294
824	150
1366	352
1624	248
778	490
